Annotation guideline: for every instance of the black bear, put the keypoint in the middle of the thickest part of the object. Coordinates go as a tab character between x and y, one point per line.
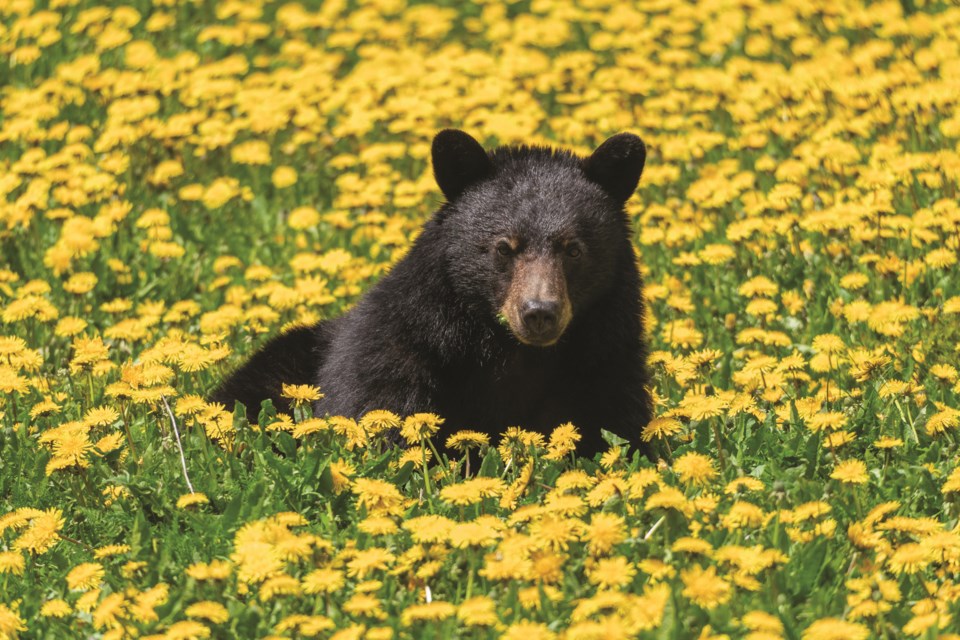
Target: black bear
518	305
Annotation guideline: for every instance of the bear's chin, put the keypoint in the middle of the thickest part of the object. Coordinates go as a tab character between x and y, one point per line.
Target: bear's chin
539	342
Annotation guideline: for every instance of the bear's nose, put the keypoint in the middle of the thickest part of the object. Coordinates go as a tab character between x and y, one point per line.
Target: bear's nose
540	316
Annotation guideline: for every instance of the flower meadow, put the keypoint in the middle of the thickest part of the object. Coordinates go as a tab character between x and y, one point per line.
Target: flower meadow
180	180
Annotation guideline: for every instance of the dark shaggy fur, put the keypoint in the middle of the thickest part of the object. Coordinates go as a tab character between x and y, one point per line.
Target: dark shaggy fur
518	305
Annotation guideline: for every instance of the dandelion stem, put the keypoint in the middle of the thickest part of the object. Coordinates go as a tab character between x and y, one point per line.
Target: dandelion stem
176	433
654	528
83	545
716	437
126	428
470	570
426	473
434	450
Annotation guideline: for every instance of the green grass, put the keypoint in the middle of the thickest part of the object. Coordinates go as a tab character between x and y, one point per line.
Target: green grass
178	183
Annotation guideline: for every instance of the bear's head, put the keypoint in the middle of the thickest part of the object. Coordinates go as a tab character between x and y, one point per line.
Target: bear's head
534	236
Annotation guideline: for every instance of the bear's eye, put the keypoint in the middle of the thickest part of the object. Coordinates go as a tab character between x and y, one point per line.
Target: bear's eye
574	250
504	248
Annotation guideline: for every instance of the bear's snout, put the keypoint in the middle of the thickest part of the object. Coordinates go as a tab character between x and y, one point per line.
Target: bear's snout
537	307
540	316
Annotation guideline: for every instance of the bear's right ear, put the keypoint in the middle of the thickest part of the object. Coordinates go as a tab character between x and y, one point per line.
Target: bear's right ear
458	162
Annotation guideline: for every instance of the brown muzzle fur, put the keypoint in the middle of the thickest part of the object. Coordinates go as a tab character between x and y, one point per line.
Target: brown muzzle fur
537	306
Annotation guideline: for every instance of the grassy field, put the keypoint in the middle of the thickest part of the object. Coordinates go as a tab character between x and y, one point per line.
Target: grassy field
179	182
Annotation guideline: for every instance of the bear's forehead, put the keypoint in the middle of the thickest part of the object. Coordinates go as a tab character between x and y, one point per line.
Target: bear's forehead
537	216
555	195
541	184
534	198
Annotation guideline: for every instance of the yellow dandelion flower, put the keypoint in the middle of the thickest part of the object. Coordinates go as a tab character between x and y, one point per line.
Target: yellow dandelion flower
341	472
364	604
109	611
742	485
11	624
11	381
909	558
85	576
887	442
556	533
55	609
952	484
612	573
687	544
668	498
700	407
743	514
378	496
660	428
11	562
694	468
763	622
42	532
656	569
207	610
430	612
323	581
704	587
605	531
191	499
478	611
187	630
88	601
280	585
80	283
429	528
472	491
945	372
300	429
939	422
837	439
111	550
132	568
378	421
301	393
835	629
464	440
525	630
419	426
215	570
303	218
308	626
369	560
758	286
189	405
378	526
101	416
833	420
348	428
563	440
284	176
850	472
482	532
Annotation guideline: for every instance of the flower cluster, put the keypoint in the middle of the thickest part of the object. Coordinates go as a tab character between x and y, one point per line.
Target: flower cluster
182	179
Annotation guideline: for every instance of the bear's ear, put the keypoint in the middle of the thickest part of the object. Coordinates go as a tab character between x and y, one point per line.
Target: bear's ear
616	165
458	162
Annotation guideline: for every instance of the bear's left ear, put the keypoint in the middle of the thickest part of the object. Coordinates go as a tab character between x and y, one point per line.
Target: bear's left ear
458	162
616	165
